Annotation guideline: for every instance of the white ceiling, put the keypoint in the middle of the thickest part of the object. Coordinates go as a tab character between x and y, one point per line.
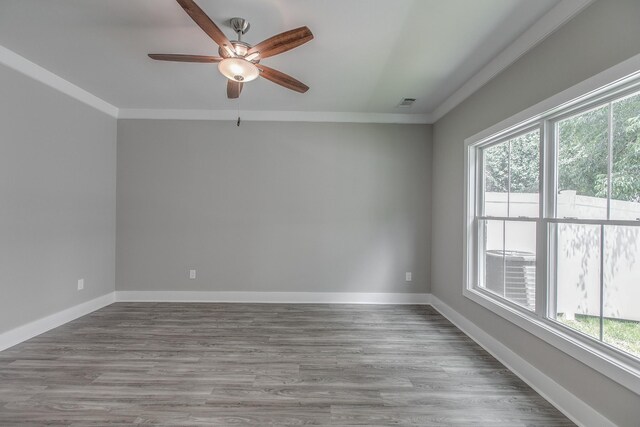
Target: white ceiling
366	55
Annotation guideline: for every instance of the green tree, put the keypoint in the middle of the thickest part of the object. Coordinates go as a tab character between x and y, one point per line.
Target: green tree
625	180
513	165
583	155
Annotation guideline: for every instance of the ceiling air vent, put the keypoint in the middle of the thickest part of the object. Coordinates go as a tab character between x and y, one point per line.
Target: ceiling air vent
406	102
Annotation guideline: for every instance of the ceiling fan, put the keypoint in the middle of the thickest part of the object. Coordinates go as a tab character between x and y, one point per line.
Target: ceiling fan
239	61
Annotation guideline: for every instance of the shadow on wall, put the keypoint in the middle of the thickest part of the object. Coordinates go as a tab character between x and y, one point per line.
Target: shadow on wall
578	253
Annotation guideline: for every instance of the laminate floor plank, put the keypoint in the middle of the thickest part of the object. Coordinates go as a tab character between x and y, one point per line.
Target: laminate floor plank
192	364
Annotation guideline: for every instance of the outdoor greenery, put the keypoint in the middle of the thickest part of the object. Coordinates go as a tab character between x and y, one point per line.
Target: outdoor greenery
583	155
623	334
583	161
513	166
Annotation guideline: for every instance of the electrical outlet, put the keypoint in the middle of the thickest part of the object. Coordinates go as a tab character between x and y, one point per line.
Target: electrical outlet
80	284
192	274
407	276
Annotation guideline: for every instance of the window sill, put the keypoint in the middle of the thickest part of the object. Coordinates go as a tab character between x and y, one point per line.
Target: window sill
626	373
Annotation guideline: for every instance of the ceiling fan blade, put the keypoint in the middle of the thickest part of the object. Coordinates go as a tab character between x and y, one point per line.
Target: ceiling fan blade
184	58
204	22
282	79
282	42
233	89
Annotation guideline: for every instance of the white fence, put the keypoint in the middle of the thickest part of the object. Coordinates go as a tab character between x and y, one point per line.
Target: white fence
578	251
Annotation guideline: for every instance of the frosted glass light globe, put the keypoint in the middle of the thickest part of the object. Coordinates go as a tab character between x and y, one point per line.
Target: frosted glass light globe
238	69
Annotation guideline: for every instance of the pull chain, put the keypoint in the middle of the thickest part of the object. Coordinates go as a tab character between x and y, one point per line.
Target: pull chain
238	122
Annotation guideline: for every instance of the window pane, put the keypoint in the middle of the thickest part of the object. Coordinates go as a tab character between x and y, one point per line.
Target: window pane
621	323
625	179
523	182
578	277
583	165
491	247
508	257
496	179
511	180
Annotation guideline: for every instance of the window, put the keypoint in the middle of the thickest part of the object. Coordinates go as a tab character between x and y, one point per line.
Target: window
553	225
596	229
507	223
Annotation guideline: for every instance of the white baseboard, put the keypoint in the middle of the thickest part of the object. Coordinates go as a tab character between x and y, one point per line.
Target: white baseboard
574	408
274	297
37	327
566	402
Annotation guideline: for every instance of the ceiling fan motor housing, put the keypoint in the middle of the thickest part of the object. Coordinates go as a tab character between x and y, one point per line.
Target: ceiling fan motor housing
240	48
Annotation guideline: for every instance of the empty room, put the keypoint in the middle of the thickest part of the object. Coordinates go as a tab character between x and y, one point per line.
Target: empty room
330	213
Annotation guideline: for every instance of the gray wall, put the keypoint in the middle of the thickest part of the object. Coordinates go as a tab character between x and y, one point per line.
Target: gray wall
606	33
57	200
292	207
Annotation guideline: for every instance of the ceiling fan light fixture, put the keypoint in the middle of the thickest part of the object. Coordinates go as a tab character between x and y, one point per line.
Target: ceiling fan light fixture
238	59
238	69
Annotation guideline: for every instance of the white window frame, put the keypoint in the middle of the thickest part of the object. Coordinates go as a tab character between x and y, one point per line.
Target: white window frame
612	83
479	213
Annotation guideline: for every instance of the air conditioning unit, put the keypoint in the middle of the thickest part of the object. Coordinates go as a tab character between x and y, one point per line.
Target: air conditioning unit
512	275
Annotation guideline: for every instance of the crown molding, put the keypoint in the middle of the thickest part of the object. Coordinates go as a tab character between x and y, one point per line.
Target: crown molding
273	116
36	72
541	29
30	69
551	21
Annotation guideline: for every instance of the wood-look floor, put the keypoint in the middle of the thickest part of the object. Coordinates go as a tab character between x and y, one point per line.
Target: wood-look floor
262	364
